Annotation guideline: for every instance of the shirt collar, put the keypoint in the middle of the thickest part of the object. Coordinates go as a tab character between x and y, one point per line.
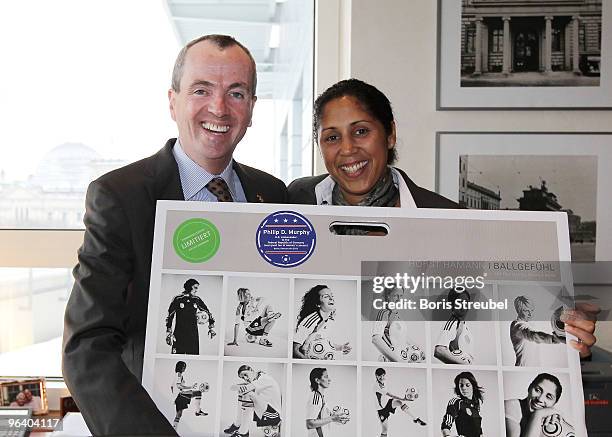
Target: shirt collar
323	190
194	178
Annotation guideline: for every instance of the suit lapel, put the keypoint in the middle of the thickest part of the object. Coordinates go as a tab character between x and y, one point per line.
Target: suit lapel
167	181
249	184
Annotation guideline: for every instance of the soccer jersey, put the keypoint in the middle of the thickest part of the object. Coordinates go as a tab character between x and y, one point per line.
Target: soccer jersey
525	340
316	409
179	383
456	328
381	395
249	311
390	328
465	415
183	310
267	388
311	323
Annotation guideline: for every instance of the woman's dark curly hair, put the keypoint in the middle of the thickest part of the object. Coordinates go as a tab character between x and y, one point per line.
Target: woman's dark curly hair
478	396
310	302
373	101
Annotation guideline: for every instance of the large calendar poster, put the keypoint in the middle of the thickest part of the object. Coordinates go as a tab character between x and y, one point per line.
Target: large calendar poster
263	320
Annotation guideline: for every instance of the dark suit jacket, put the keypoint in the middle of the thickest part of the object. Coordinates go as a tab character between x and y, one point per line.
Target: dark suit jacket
301	191
106	315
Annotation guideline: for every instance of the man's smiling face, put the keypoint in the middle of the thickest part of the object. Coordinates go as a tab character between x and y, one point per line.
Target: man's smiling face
214	105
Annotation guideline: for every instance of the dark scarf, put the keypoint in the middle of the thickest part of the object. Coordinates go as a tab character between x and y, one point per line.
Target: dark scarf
384	193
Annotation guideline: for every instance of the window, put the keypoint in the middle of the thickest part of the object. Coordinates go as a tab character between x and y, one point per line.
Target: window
87	93
100	115
470	36
599	36
582	45
32	304
497	41
558	40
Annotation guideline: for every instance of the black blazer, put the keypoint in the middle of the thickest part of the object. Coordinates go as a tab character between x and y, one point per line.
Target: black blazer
105	321
301	191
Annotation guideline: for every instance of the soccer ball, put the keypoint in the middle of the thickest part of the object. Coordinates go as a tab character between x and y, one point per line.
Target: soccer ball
463	356
204	387
341	411
558	326
271	431
318	347
411	394
412	354
250	338
202	317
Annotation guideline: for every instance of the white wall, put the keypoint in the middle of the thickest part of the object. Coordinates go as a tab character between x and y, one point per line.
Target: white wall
393	46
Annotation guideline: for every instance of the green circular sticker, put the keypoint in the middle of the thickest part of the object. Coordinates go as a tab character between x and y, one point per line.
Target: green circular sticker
196	240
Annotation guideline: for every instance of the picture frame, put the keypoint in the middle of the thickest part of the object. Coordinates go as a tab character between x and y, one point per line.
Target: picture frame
26	393
529	57
507	160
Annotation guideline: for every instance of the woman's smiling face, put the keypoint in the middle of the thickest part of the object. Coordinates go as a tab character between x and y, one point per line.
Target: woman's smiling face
354	146
542	395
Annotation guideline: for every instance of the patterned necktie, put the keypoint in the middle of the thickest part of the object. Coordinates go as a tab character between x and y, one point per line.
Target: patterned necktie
220	190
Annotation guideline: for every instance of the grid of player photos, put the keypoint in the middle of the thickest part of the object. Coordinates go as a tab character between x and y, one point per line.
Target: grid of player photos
269	355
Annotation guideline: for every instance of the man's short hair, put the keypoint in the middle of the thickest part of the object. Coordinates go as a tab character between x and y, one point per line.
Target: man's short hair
520	303
221	42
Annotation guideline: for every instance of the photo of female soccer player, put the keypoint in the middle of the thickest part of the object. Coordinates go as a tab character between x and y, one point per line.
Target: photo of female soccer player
324	401
326	322
537	404
257	317
462	338
189	314
253	399
185	391
463	410
394	401
466	403
387	336
529	336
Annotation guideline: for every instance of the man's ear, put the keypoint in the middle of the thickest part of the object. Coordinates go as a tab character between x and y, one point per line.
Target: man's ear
171	102
252	107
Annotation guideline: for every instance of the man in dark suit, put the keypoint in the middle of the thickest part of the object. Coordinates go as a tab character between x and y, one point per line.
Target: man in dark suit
211	100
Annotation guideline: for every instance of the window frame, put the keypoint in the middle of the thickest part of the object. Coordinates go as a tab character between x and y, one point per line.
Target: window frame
57	248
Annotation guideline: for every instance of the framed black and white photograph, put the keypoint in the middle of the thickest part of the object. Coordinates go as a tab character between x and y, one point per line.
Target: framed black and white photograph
465	402
325	324
459	335
190	318
394	401
253	399
326	391
531	331
565	172
534	399
541	54
257	317
186	392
